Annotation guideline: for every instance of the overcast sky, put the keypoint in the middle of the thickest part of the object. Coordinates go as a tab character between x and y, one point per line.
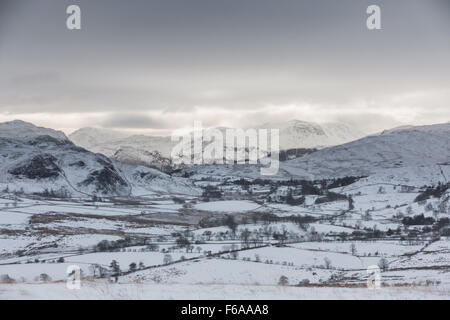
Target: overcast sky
157	65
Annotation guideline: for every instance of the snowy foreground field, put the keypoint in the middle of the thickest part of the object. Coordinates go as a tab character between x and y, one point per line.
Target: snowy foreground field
101	291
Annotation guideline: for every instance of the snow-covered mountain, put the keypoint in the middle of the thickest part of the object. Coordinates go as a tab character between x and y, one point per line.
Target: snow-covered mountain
36	159
21	130
413	154
39	160
90	137
411	146
152	151
302	134
135	156
108	142
155	151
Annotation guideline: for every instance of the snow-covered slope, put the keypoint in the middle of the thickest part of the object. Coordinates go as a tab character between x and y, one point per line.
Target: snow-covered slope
38	160
405	147
302	134
91	137
408	155
108	142
44	163
152	151
21	130
155	151
135	156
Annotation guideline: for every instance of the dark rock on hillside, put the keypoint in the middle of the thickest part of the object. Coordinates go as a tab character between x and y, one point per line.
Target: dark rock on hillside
80	164
39	167
106	180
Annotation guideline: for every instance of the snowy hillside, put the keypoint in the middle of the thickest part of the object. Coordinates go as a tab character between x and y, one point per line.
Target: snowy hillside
406	147
108	142
38	160
21	130
409	155
155	151
150	151
134	156
90	137
301	134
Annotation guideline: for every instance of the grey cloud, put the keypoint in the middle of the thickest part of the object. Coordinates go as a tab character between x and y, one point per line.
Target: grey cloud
138	121
224	61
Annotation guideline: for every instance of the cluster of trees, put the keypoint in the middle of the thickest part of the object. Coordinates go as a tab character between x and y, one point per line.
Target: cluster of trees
106	245
62	193
267	232
294	201
441	223
16	192
436	192
417	220
341	182
183	242
211	192
315	187
260	217
114	269
133	266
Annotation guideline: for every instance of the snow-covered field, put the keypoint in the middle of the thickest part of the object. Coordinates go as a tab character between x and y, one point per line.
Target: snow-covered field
363	248
227	206
46	237
105	291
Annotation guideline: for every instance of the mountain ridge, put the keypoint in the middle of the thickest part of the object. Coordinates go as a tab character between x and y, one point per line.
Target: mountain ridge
21	130
294	134
40	161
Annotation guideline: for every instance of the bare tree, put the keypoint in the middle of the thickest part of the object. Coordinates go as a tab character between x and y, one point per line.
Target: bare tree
44	277
114	265
231	223
327	263
284	281
383	264
353	249
167	259
245	236
133	267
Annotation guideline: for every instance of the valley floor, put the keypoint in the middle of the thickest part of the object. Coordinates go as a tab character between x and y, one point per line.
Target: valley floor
248	243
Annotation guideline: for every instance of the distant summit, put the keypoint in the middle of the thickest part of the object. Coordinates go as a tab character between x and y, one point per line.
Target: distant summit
21	130
302	134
